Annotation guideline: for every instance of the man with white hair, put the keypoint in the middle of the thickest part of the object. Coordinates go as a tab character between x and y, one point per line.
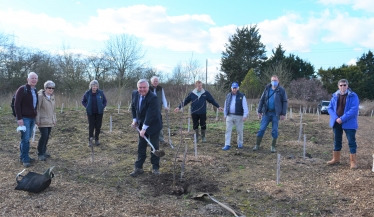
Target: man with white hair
147	117
25	105
235	113
159	92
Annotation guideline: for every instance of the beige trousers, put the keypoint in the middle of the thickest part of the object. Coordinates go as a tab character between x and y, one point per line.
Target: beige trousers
237	121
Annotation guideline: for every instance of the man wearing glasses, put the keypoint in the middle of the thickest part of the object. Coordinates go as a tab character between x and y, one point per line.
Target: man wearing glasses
343	111
272	107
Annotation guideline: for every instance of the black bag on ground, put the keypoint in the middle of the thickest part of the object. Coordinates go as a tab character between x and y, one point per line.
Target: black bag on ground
14	99
34	182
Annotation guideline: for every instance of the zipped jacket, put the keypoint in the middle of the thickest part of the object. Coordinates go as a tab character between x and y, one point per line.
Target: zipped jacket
46	110
100	99
198	104
23	104
350	115
280	101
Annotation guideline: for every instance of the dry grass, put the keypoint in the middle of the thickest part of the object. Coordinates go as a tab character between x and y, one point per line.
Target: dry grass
242	179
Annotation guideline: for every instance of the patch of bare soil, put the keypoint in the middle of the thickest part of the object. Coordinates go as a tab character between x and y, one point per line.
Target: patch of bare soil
240	178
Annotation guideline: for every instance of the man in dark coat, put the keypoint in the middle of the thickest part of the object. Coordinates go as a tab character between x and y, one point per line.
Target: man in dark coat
271	108
25	106
147	117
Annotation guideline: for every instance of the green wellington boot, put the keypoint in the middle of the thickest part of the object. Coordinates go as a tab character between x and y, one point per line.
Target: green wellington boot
273	144
258	142
203	136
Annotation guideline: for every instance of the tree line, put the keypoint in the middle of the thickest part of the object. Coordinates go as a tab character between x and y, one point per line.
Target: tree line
122	63
244	60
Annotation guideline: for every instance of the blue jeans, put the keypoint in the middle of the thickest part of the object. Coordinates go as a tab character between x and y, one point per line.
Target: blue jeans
266	119
338	135
24	146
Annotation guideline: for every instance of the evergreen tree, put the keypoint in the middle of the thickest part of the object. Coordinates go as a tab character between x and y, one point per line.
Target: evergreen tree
251	86
298	68
353	74
366	65
244	51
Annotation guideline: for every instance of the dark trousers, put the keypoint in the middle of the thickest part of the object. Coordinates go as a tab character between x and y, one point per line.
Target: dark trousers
94	123
142	151
199	117
44	136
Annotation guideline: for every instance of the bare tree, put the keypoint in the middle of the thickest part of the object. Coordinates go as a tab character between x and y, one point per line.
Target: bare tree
16	62
310	90
280	69
125	54
97	66
177	75
71	71
192	70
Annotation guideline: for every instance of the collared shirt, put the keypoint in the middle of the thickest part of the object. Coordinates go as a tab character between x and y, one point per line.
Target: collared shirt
198	93
164	102
141	98
232	106
271	105
34	97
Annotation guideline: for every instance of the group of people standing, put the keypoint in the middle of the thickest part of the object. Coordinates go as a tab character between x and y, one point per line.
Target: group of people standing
32	107
147	101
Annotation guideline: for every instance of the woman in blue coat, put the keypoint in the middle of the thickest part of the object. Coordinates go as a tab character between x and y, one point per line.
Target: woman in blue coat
343	111
94	101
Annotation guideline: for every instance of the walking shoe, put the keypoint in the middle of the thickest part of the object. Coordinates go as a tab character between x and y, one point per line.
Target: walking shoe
156	172
97	142
227	147
31	160
42	158
47	155
136	172
240	146
26	164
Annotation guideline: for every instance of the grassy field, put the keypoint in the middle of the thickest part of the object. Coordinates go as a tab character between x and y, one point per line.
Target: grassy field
240	178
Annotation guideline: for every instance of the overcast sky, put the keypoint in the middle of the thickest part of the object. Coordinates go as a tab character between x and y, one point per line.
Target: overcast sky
326	33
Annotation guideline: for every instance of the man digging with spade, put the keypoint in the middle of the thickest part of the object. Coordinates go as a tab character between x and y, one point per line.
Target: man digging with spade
147	117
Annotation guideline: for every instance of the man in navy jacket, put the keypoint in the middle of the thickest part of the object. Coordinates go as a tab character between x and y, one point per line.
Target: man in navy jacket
147	117
198	98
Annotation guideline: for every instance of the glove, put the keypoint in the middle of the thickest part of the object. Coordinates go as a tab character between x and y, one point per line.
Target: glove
23	128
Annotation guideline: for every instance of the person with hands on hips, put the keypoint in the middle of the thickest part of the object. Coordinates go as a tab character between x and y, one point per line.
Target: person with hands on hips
235	113
147	117
272	107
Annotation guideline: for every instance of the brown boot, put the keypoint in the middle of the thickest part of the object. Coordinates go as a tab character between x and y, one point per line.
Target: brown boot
335	158
353	160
